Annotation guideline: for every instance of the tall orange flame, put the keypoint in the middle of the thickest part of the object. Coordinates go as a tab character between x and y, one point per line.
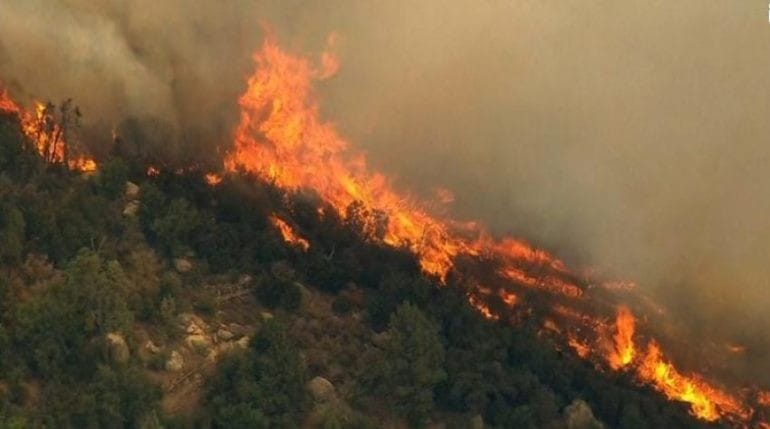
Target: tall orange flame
48	136
624	350
288	234
281	138
706	401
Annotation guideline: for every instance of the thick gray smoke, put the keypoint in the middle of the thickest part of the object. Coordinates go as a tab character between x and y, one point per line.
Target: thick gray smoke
633	136
170	68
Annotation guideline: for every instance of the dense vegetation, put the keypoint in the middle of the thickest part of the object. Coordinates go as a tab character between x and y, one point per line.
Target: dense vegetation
78	276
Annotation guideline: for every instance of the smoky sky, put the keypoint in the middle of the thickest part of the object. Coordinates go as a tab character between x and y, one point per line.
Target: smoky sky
175	67
632	136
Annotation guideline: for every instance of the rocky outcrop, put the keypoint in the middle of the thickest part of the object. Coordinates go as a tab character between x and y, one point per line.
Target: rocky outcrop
224	335
118	348
131	208
183	265
175	362
321	389
131	195
132	191
578	415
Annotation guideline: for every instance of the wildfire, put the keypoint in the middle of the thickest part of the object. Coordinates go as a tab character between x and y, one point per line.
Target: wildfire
281	138
582	349
707	402
288	234
763	398
47	135
623	351
213	179
482	308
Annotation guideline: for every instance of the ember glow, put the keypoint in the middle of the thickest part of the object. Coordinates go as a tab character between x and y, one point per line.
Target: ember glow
46	134
288	234
623	351
281	138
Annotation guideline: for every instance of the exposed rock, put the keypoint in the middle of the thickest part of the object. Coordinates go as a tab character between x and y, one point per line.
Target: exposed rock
477	422
186	318
381	339
199	343
266	315
118	348
151	347
132	191
147	350
183	265
224	335
243	342
321	389
237	330
131	208
175	362
578	415
197	327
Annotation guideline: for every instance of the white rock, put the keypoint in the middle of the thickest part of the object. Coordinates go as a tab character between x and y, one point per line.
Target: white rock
321	389
579	416
118	348
224	335
131	209
151	347
198	342
243	342
132	191
175	362
183	265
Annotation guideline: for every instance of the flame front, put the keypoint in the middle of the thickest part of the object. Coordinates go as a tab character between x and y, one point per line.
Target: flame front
281	138
46	134
706	402
623	350
288	234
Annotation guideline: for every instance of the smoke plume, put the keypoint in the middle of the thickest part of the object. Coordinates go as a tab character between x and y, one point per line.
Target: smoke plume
630	136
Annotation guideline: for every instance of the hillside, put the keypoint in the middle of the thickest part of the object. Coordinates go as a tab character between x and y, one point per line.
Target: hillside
137	296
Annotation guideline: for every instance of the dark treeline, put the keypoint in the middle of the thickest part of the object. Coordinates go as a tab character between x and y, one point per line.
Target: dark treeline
76	269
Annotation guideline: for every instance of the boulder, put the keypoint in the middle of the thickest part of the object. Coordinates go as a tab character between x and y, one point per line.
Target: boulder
148	350
132	191
175	362
131	208
321	389
579	415
197	326
183	265
197	342
224	335
151	347
238	330
266	315
118	348
243	342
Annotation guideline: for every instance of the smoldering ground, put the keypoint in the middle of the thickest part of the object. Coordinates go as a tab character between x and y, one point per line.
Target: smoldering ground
626	135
